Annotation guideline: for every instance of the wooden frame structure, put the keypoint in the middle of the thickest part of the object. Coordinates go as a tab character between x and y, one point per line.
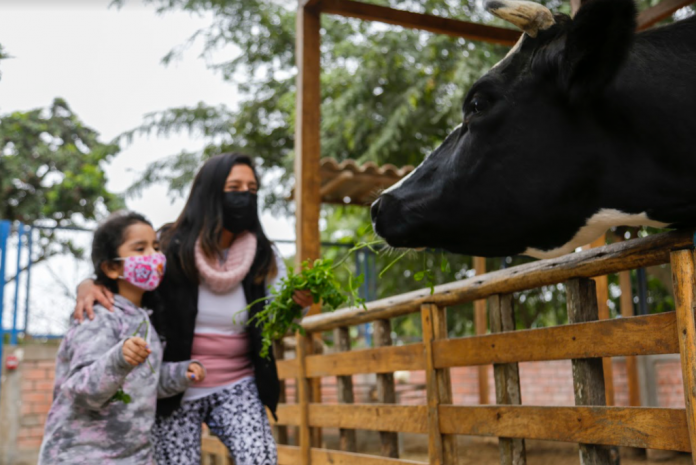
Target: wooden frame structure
585	341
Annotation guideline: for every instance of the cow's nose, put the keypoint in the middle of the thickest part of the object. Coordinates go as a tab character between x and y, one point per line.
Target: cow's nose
374	209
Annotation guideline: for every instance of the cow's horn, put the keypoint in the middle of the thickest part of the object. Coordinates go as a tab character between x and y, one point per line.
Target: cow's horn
531	17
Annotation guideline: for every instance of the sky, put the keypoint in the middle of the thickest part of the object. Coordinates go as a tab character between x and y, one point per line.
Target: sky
106	63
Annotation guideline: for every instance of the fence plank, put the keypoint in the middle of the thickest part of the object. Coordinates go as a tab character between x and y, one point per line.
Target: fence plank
431	318
304	396
652	428
626	304
588	373
386	391
289	455
288	415
281	430
507	377
636	253
481	328
444	384
344	388
385	359
641	335
287	369
683	279
373	417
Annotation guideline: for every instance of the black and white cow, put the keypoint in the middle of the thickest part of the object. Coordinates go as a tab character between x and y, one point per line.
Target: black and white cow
584	125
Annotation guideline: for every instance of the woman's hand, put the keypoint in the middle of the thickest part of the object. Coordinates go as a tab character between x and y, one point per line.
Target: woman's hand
303	298
135	350
87	294
195	372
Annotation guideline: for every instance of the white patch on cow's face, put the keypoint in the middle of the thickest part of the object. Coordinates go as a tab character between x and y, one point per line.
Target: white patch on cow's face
512	50
402	180
597	225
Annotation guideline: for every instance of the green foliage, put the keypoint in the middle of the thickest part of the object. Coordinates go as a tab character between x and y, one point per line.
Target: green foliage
282	313
51	170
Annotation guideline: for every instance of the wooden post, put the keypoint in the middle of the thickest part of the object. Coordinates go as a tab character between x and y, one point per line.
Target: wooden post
307	136
588	374
315	386
507	377
631	365
683	281
281	431
481	327
304	392
386	392
442	450
344	387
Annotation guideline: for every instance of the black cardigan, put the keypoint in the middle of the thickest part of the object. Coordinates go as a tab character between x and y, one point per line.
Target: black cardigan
179	299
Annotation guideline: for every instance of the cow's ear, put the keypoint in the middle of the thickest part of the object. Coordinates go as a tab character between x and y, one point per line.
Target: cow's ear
598	42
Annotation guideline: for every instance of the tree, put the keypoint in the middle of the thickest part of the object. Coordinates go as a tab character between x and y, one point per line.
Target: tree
51	172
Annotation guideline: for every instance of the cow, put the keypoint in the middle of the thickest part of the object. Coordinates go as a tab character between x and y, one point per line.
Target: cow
583	126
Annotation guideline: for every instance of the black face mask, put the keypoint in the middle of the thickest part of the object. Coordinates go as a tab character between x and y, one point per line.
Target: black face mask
239	211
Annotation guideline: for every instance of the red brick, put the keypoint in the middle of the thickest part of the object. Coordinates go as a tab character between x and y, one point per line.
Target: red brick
28	385
38	397
44	386
50	364
29	443
35	374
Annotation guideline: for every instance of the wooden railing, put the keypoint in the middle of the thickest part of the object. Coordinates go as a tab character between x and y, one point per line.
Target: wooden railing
585	341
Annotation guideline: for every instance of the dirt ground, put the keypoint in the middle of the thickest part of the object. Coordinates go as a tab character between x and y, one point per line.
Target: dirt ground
543	453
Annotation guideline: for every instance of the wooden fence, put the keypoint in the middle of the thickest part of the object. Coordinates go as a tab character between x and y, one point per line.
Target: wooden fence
585	341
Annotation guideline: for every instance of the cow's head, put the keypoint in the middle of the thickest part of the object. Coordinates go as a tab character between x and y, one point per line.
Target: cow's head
522	173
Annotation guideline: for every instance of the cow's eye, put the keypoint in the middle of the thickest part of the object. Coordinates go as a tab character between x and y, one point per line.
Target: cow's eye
478	105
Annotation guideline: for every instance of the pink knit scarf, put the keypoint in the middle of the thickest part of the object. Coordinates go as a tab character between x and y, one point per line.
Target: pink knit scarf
222	277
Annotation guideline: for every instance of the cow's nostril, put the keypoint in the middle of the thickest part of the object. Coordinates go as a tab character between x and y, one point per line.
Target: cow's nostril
374	209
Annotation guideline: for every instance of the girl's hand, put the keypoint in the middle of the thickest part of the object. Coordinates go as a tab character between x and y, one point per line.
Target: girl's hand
135	350
87	294
303	298
195	372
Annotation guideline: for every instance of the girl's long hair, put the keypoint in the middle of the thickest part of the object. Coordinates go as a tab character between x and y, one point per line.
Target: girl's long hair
202	218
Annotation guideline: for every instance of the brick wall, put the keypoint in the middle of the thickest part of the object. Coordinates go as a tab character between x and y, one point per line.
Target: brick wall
26	398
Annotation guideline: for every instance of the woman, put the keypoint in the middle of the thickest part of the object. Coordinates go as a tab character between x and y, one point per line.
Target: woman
218	260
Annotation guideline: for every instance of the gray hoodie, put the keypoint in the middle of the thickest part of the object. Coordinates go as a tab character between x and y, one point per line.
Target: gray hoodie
85	425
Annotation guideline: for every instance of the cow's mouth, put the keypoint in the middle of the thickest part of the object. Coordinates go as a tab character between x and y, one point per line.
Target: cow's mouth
390	223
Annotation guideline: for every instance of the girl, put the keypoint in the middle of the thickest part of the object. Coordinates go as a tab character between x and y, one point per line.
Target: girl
105	395
219	259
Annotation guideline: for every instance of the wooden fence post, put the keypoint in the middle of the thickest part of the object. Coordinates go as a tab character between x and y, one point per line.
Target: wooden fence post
588	374
344	388
442	449
480	329
386	392
304	393
507	377
279	353
683	280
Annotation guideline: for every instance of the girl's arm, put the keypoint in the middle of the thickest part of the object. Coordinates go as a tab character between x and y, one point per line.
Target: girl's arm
174	378
98	367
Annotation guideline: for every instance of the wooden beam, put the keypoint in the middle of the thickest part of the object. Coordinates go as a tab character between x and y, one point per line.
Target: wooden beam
333	185
384	359
653	428
637	253
290	455
657	13
307	138
281	431
684	279
344	390
640	335
304	397
588	373
386	388
481	328
626	303
374	417
430	23
507	377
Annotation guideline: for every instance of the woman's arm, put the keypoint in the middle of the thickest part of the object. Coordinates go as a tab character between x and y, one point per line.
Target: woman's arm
87	293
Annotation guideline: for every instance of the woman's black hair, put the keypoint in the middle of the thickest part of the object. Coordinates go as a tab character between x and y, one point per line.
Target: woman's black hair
202	218
108	237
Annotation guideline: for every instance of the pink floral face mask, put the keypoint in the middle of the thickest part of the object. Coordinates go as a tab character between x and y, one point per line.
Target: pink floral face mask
144	271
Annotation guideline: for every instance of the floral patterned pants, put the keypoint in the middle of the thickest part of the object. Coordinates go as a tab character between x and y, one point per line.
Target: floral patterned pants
235	415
